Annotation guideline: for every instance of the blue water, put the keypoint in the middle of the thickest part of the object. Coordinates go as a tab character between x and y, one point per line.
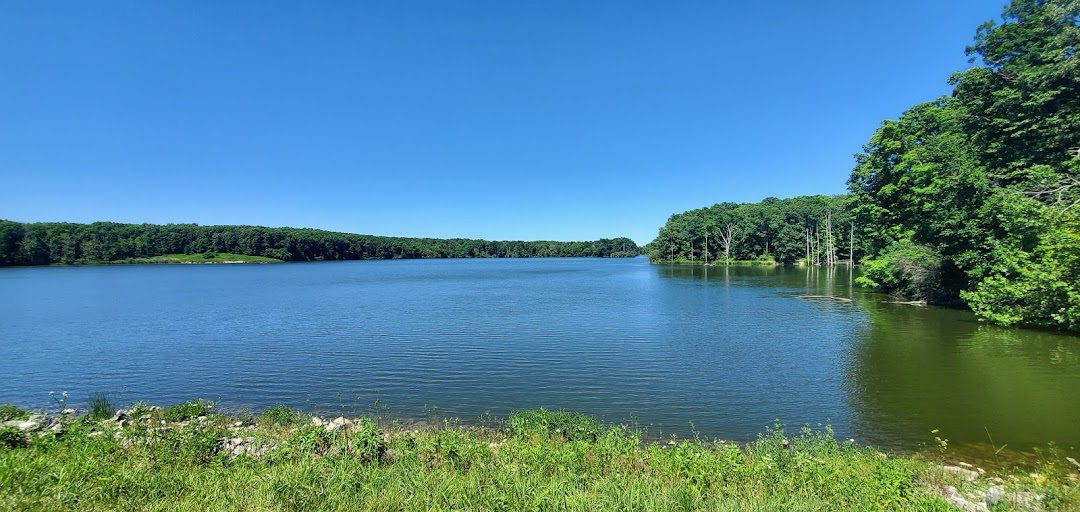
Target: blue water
721	353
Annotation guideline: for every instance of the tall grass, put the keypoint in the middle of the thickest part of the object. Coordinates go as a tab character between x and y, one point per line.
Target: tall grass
100	406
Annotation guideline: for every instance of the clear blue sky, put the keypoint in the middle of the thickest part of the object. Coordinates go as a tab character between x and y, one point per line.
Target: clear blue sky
563	120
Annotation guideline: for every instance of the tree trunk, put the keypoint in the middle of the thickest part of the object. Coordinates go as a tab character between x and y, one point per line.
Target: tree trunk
851	246
727	234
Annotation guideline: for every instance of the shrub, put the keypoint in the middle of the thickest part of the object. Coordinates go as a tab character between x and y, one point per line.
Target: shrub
11	437
907	269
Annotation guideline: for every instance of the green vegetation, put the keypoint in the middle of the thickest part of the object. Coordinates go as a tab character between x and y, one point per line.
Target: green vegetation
815	229
100	406
972	196
540	460
968	198
281	415
47	243
9	412
208	257
567	425
188	410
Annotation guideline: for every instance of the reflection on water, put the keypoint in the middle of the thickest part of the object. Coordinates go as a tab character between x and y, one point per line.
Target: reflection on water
715	351
918	369
912	369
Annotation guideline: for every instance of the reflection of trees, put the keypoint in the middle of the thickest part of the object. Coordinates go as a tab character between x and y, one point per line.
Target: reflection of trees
916	369
913	369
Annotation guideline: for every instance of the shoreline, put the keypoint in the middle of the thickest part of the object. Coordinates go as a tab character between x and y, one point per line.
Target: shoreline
159	260
191	455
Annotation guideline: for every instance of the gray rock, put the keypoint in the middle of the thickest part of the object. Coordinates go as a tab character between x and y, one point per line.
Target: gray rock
958	500
964	474
237	446
70	411
994	494
1028	500
1019	500
22	425
339	423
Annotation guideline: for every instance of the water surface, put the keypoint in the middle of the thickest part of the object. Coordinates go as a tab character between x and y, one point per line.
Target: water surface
712	351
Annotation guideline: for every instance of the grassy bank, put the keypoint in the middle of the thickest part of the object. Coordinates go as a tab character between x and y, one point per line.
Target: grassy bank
187	457
219	257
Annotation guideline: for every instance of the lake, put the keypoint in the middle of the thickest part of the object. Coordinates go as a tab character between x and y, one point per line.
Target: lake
716	352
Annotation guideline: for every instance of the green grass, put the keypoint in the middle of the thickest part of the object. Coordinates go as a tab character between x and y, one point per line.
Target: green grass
568	425
191	409
539	460
281	415
9	412
100	406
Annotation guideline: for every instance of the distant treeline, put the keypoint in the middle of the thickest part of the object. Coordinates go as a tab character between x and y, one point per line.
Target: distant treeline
811	229
46	243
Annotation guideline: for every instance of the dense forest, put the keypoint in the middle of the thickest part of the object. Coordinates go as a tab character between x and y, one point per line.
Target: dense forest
807	229
66	243
966	198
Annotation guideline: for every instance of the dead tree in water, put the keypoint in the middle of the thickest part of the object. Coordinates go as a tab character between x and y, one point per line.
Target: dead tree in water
830	250
851	246
727	234
808	243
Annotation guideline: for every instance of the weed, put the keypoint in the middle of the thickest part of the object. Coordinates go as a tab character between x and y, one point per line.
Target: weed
365	442
100	406
309	439
140	409
571	426
9	412
942	443
11	437
281	415
190	444
60	400
187	410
